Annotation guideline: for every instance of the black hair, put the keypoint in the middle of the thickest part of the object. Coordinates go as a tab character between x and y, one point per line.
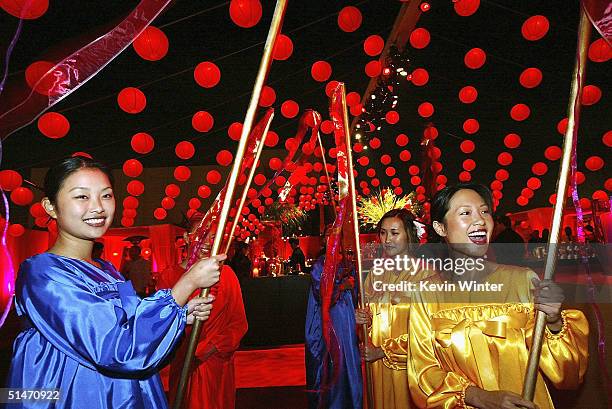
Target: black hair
407	219
505	220
294	240
56	175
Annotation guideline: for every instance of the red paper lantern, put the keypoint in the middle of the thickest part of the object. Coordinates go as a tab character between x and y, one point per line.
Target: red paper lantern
539	168
353	98
202	121
283	48
475	58
552	199
373	68
329	88
271	139
467	146
327	126
469	165
600	51
168	203
512	141
194	203
522	201
597	195
375	143
471	126
204	191
504	159
10	180
213	177
363	161
591	94
275	163
83	154
373	45
405	155
497	185
413	170
390	171
468	94
594	163
184	150
585	203
290	109
607	139
534	183
16	230
562	126
419	38
535	27
127	222
267	97
580	178
22	196
497	195
224	157
151	44
419	77
392	117
142	143
608	184
371	173
172	190
502	175
25	9
207	74
385	159
37	210
553	153
465	176
402	140
426	109
160	213
349	19
526	192
132	168
42	80
135	187
356	110
130	202
415	180
182	173
234	131
53	125
530	77
130	213
245	13
466	8
321	71
132	100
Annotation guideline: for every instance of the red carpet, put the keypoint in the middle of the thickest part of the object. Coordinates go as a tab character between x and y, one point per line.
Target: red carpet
263	368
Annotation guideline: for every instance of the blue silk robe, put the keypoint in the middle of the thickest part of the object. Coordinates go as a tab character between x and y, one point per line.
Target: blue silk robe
347	391
88	334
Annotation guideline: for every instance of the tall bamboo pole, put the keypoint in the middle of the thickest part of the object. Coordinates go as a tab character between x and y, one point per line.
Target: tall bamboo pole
355	222
573	115
264	67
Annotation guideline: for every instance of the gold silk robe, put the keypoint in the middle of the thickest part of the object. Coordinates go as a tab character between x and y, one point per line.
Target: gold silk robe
455	343
389	330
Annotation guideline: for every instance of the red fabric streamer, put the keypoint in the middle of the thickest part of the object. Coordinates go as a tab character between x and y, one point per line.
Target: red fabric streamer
599	13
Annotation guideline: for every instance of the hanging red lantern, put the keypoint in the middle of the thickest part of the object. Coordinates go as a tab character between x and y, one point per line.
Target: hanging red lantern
475	58
467	146
597	195
130	202
497	195
471	126
271	139
204	191
321	71
245	13
42	80
224	158
591	94
502	175
512	141
402	140
275	163
600	51
213	177
168	203
497	185
539	168
356	110
534	183
468	94
553	153
390	171
83	154
363	161
10	180
373	68
182	173
426	109
465	176
385	159
466	8
234	131
329	88
349	19
607	139
151	44
131	100
22	196
530	77
283	48
552	199
430	132
405	155
392	117
413	170
290	109
132	168
504	159
375	143
594	163
353	98
522	201
469	165
160	213
419	38
526	192
16	230
373	45
562	126
608	184
37	210
415	180
127	222
267	97
135	187
194	203
207	74
371	172
327	126
25	9
184	150
419	77
535	27
202	121
172	190
53	125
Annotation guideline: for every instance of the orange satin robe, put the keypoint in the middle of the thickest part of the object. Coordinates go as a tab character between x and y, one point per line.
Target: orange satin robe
211	384
456	343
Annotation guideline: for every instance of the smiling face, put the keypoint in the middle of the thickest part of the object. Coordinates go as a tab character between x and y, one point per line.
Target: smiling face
393	237
84	206
468	224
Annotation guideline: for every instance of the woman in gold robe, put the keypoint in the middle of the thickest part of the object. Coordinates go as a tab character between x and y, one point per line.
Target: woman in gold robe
388	310
469	348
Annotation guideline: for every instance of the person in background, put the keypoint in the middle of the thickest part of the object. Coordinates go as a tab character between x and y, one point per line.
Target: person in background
569	235
297	261
138	271
98	249
508	244
240	263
